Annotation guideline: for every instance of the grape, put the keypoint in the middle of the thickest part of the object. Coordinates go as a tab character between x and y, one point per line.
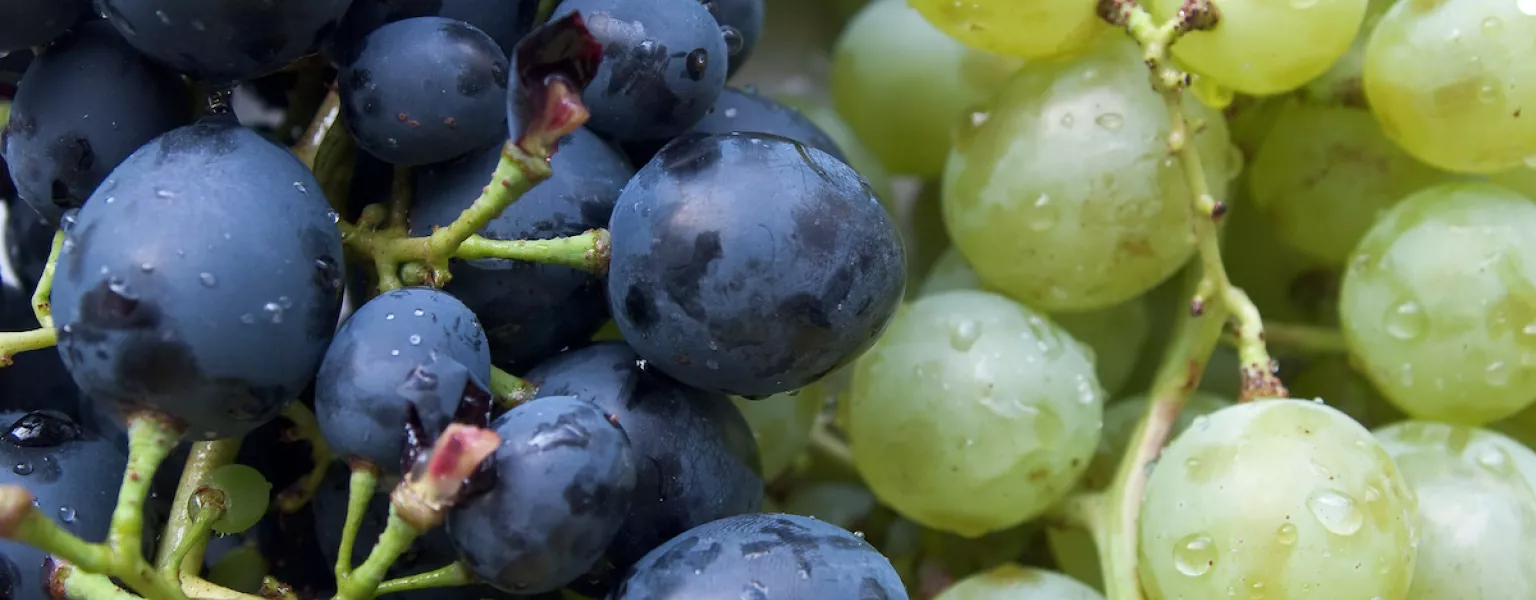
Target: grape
1011	581
28	238
1285	284
27	23
245	495
1280	498
1028	28
1266	47
840	503
973	413
746	110
745	18
1333	380
903	85
1343	83
1439	305
425	90
1476	508
1324	175
750	264
1449	80
223	41
506	21
781	424
1061	192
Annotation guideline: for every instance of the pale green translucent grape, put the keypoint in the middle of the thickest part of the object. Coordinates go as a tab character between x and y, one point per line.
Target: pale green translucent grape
1028	28
1477	510
1061	192
782	425
1249	121
1342	83
840	503
1439	304
1276	499
1268	46
1076	554
1452	81
1521	427
1116	334
1333	380
1520	179
973	413
246	494
1013	582
1325	173
902	85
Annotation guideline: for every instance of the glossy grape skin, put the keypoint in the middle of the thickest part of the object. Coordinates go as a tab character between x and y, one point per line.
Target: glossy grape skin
973	413
746	110
1028	28
529	310
768	557
1060	191
1438	304
411	346
28	23
565	476
750	264
425	90
746	17
506	21
1264	47
903	85
224	41
1289	498
82	107
1010	581
781	424
210	298
855	152
1325	173
694	453
1449	82
1476	509
664	63
28	238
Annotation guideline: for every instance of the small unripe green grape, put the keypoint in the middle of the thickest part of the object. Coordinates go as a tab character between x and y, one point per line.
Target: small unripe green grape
246	494
973	413
1013	582
782	425
1280	499
1027	28
1060	190
1439	303
901	85
1266	47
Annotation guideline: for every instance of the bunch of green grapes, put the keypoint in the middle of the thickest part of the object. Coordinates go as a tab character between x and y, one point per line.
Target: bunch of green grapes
1028	28
1439	303
1267	46
1476	508
973	413
1279	499
1452	81
1060	190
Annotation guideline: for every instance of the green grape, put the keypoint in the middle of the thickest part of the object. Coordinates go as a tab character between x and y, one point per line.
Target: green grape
782	425
1332	379
1277	499
1266	47
1325	173
961	556
1013	582
1061	192
246	494
1449	81
1342	83
1439	304
901	85
1250	120
840	503
973	413
241	569
1476	507
1116	334
1076	554
1521	426
1028	28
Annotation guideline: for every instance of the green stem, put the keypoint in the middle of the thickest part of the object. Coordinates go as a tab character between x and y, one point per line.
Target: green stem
198	588
42	308
510	390
1299	337
1081	509
151	437
363	583
5	113
516	172
364	480
82	585
305	427
453	575
16	342
201	462
202	527
588	252
400	194
37	530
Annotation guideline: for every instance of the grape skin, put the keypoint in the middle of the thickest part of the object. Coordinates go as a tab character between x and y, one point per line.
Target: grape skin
1285	498
973	413
1476	507
1028	28
781	424
1264	47
1011	581
1439	305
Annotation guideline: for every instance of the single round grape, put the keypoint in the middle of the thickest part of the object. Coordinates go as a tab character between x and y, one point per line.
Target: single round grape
781	424
1011	581
1449	80
1439	304
1326	173
1264	47
1279	498
1028	28
1476	507
973	413
902	85
246	494
1060	190
1337	383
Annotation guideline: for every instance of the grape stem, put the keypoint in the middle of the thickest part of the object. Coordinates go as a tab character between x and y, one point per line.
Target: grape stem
453	575
329	113
305	428
42	308
587	252
360	488
180	534
510	390
198	588
363	582
211	510
81	585
16	342
1304	338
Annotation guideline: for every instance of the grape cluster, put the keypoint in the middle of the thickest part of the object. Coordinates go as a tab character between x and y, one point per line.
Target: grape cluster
675	299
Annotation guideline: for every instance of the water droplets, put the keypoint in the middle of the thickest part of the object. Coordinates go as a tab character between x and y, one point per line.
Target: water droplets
1493	25
963	334
1110	121
1067	120
1286	535
1490	93
734	41
1494	459
23	468
1044	213
389	317
419	312
1406	321
1336	511
415	340
1497	374
164	193
273	312
1194	554
299	185
146	267
66	514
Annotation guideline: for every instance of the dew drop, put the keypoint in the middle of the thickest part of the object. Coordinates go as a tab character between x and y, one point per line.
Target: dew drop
147	267
164	193
1110	121
164	18
733	40
1406	321
696	63
1045	213
1336	511
1493	25
66	514
1489	93
963	334
248	319
394	353
1494	459
1201	423
389	317
1067	120
1194	555
1286	535
299	185
419	312
730	113
415	340
22	468
979	118
273	312
1497	374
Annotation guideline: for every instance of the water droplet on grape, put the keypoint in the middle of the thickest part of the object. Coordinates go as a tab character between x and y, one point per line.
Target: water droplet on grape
394	353
1493	25
1201	423
1497	374
1110	121
963	334
1494	459
1286	535
733	40
273	312
66	514
248	318
22	468
1194	555
389	317
1045	213
1489	93
164	193
415	340
298	185
419	312
147	267
1406	321
1067	120
1336	511
207	279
